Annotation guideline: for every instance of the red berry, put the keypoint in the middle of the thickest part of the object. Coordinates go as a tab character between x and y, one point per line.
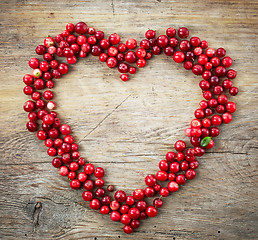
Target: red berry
95	204
173	186
80	28
151	211
179	57
183	32
138	194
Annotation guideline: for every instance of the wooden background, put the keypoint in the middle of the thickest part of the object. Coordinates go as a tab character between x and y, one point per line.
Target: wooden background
128	127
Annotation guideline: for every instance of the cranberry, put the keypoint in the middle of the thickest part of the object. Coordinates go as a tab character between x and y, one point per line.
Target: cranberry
103	57
145	44
202	59
88	185
63	171
132	70
231	107
124	77
188	65
173	186
123	68
161	176
36	73
130	200
92	40
99	172
184	46
80	28
59	38
204	85
170	156
214	132
131	43
141	205
31	126
104	44
99	35
127	229
130	57
180	146
158	203
183	32
169	51
171	32
216	120
150	34
190	174
120	196
227	117
231	74
162	41
227	84
180	179
100	192
141	53
221	52
141	63
151	211
184	165
135	224
227	62
214	81
70	27
63	68
174	167
215	61
89	168
95	50
197	69
112	51
122	47
65	129
220	71
233	91
179	57
29	106
33	63
134	213
138	194
124	208
125	219
104	210
149	192
28	79
150	180
114	39
40	49
99	182
164	192
195	41
106	200
173	42
111	62
95	204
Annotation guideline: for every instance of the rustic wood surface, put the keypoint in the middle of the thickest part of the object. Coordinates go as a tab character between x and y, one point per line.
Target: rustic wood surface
128	127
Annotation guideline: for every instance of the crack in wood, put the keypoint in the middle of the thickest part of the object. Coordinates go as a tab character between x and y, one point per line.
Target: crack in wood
117	106
35	214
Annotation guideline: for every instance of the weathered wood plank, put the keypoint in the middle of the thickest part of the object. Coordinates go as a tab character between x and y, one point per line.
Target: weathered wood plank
128	127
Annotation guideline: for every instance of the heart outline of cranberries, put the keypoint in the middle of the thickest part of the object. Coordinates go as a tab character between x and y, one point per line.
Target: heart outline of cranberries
79	41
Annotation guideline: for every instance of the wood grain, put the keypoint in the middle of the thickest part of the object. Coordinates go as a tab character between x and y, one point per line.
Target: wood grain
128	127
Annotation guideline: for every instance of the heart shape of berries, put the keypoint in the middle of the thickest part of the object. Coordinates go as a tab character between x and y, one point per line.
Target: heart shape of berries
80	40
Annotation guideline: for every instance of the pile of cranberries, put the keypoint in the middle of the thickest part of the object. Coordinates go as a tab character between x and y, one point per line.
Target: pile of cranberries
79	41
